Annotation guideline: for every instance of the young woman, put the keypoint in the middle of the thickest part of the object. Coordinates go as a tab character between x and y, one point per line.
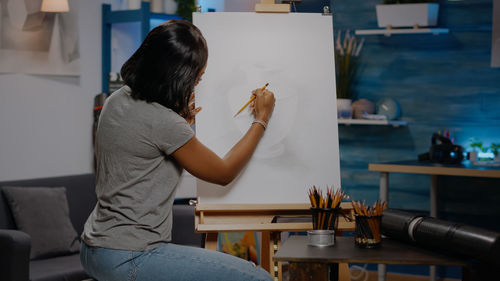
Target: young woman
144	140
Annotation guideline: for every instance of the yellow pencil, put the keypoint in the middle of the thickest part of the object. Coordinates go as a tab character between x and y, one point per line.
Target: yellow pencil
251	100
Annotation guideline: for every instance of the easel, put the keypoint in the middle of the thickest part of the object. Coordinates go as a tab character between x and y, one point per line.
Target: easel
268	6
214	218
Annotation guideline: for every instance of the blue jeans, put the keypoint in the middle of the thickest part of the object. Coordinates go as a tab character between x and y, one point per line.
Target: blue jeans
167	262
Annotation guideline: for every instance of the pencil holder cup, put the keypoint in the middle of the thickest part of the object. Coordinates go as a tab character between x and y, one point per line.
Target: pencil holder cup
367	231
325	218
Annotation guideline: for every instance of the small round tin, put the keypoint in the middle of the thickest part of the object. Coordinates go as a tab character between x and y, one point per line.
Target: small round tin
321	238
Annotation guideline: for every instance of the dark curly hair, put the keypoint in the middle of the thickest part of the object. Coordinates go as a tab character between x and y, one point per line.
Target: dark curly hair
166	66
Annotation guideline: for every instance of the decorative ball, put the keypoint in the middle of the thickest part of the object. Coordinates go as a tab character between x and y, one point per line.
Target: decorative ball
362	105
389	107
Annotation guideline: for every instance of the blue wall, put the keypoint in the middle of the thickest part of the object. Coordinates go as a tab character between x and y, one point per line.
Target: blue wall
441	82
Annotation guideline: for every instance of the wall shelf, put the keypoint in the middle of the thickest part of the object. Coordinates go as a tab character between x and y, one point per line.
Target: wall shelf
394	123
109	17
389	32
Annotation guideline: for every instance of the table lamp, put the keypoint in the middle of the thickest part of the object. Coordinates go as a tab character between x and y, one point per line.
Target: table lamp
55	6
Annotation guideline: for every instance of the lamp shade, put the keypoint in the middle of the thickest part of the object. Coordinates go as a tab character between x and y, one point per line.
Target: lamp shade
55	6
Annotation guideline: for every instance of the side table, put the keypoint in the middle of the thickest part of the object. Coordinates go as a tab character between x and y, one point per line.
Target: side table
316	263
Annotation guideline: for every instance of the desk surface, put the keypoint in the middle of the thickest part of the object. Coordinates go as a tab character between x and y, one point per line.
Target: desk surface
295	249
428	168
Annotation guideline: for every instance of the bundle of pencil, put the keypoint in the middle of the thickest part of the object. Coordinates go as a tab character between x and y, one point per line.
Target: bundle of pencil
361	209
368	222
325	204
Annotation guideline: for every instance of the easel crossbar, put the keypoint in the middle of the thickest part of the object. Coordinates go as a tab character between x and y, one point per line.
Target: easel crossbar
259	217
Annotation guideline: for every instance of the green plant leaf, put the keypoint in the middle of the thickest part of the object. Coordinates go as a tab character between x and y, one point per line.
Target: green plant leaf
185	9
347	56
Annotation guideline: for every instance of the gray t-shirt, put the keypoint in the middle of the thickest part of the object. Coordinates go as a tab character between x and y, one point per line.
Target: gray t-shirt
136	177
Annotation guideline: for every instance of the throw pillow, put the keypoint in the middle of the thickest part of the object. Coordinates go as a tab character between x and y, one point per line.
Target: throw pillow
43	213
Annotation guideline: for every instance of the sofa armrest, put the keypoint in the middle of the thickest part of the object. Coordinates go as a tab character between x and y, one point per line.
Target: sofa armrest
15	255
183	232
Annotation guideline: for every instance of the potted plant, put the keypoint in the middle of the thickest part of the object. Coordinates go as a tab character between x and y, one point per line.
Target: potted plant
347	51
407	13
495	149
185	8
476	146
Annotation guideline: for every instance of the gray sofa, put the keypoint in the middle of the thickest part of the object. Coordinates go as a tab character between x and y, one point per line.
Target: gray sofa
15	245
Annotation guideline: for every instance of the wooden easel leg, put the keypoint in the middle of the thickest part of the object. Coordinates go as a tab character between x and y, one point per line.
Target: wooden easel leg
278	273
211	241
344	272
266	252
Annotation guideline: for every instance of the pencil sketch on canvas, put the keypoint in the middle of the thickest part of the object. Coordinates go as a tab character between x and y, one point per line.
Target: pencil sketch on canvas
294	54
285	111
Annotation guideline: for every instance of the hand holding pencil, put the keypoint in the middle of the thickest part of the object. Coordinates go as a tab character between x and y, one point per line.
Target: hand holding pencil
251	100
261	103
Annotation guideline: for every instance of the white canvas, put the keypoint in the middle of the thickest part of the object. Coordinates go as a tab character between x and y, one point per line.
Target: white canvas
294	53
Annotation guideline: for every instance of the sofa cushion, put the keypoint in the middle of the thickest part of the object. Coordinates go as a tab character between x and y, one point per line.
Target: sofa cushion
80	190
65	268
43	213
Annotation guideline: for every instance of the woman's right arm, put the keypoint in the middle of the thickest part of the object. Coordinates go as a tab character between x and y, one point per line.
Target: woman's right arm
204	164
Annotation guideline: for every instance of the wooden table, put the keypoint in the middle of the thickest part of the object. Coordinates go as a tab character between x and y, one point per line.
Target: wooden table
434	170
311	263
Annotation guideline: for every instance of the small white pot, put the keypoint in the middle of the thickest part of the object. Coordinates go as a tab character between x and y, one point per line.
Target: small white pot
473	156
407	15
134	4
157	6
170	7
344	108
